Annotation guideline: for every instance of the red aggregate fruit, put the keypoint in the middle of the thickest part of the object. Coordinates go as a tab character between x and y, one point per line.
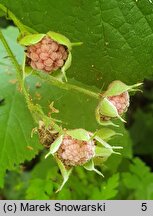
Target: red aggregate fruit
74	152
46	55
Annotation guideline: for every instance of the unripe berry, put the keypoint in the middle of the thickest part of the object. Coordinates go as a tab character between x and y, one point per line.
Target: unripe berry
46	55
74	152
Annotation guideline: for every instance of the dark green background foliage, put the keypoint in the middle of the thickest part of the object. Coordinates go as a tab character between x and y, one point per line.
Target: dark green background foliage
117	38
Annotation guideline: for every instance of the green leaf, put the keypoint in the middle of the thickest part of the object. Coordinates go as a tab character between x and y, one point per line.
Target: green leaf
117	44
39	188
79	134
139	180
143	125
55	146
108	189
15	184
50	171
44	172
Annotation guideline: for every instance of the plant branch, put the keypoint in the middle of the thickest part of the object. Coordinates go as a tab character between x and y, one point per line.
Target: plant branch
17	68
35	110
67	86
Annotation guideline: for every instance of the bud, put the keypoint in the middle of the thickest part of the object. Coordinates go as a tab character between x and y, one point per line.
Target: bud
114	102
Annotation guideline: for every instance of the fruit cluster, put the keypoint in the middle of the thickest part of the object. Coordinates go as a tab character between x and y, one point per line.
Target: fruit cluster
74	152
46	55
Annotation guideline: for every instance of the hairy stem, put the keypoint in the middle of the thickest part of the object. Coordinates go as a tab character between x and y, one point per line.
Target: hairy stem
17	68
67	86
35	110
24	29
12	57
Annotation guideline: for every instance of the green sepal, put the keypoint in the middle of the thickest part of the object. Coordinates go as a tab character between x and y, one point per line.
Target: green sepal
105	144
65	173
90	167
106	133
103	152
101	122
27	70
67	65
79	134
55	146
30	39
76	44
117	87
106	108
61	39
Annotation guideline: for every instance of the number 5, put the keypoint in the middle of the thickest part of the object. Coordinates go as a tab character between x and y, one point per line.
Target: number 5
144	206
